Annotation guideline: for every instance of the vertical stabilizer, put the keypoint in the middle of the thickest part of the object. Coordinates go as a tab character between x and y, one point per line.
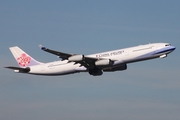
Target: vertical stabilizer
22	58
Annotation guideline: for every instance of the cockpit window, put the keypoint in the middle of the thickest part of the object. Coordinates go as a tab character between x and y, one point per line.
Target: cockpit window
168	45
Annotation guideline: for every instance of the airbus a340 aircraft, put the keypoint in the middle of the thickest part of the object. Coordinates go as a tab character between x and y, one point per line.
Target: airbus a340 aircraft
95	64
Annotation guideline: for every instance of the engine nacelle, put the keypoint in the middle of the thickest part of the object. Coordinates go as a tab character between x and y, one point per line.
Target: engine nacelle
76	58
104	62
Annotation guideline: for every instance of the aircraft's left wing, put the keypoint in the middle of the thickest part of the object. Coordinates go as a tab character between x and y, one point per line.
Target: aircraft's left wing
86	61
59	54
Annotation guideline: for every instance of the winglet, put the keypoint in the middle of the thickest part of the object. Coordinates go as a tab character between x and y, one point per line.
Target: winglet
42	47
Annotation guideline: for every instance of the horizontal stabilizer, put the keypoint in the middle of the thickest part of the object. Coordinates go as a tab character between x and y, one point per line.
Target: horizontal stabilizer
24	70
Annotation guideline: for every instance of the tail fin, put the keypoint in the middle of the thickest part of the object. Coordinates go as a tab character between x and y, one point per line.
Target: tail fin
22	58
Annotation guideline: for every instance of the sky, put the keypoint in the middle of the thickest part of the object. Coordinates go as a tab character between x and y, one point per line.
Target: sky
145	91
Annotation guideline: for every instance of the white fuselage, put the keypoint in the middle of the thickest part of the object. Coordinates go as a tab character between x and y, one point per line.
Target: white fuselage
121	56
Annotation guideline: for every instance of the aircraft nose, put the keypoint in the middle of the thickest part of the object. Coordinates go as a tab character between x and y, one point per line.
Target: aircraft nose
173	48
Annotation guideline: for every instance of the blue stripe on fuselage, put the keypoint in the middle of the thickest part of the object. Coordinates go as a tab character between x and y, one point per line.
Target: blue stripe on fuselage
165	50
156	53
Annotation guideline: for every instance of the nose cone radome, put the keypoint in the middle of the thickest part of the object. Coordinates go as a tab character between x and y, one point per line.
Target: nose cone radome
173	48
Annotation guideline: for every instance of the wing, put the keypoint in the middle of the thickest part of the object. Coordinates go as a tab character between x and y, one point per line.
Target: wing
59	54
88	62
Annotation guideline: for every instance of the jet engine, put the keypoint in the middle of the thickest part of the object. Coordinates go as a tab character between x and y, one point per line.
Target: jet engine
76	58
104	62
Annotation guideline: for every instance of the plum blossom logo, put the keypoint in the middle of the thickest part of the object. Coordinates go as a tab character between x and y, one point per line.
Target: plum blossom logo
23	60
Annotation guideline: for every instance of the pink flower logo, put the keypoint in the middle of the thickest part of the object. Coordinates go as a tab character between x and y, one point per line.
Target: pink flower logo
24	60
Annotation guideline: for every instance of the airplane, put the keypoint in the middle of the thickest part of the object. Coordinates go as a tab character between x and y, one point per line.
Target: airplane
95	64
